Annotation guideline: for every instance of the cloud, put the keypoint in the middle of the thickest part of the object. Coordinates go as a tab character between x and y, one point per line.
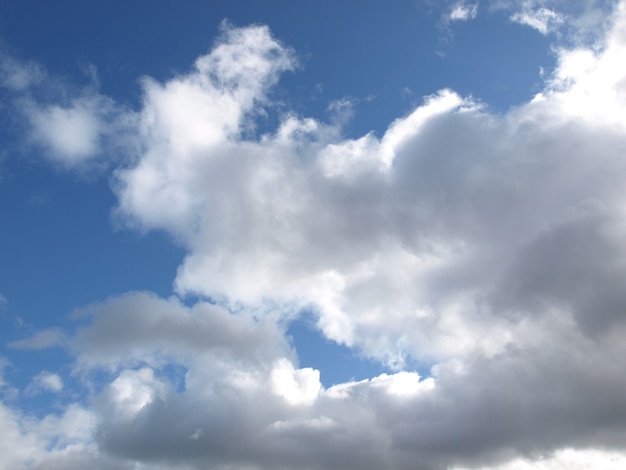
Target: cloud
41	340
571	459
463	11
389	239
456	12
54	441
70	133
577	23
485	249
543	20
19	75
549	392
45	382
74	126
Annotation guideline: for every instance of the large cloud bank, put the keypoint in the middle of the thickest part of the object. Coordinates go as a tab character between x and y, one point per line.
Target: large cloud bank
486	248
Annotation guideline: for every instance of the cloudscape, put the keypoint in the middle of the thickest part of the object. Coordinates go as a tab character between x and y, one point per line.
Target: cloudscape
250	235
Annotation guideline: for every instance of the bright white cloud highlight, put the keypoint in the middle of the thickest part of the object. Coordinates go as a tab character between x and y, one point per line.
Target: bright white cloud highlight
133	390
297	387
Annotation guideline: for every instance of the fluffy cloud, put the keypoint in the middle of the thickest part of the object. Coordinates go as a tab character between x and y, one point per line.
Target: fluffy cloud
486	248
397	242
254	408
70	133
73	125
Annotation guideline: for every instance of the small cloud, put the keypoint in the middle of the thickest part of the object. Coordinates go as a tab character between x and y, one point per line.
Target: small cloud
342	111
45	382
463	12
41	340
197	434
459	11
71	134
17	75
3	301
542	19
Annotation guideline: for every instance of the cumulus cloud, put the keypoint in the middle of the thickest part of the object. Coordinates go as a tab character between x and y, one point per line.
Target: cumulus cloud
484	248
389	239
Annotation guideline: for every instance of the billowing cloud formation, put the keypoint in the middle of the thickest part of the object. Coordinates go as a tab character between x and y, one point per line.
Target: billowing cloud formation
486	247
403	243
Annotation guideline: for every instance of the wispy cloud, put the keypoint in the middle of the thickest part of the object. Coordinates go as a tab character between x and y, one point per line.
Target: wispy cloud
543	20
463	11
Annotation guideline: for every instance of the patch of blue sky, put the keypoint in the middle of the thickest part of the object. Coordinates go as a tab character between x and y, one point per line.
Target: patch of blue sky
63	250
496	61
337	363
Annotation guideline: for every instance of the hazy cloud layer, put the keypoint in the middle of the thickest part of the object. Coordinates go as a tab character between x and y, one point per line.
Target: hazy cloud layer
485	247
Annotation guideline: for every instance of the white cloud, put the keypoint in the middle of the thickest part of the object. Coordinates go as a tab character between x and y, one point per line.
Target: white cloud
489	247
297	387
75	126
46	381
463	11
70	134
372	230
575	23
565	459
543	20
55	441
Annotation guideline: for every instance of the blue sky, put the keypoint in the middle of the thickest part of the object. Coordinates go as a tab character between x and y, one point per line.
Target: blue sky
312	235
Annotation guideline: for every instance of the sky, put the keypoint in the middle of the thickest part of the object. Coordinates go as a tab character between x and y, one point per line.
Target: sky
313	235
